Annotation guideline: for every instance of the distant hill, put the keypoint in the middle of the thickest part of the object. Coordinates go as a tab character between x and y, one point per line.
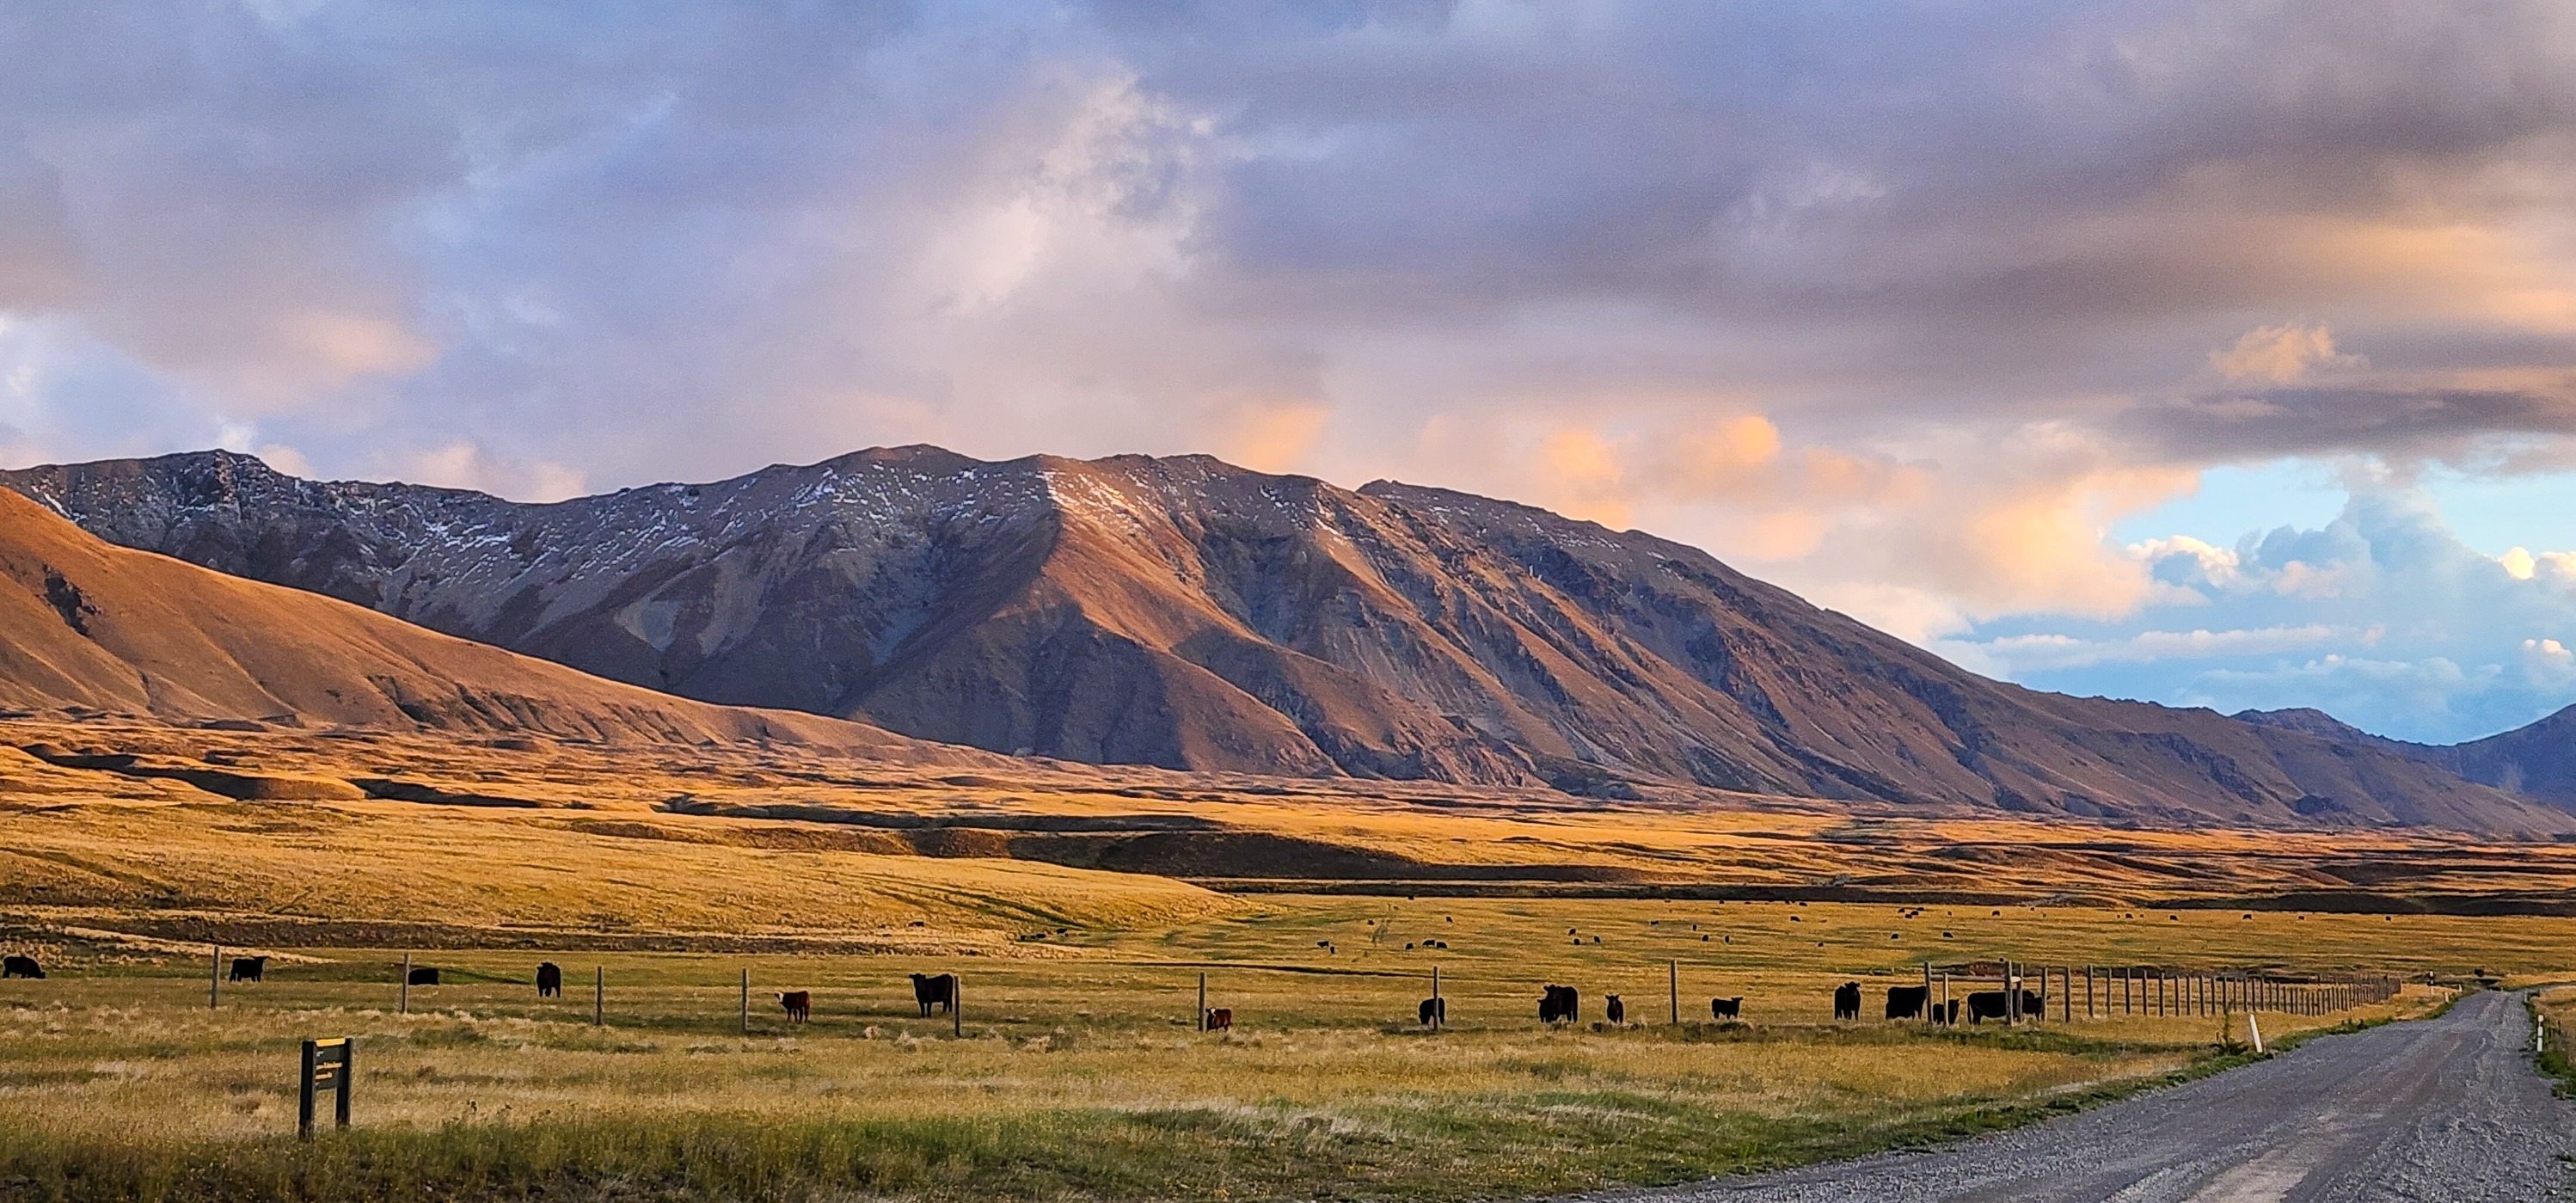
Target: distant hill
1187	613
88	626
2536	761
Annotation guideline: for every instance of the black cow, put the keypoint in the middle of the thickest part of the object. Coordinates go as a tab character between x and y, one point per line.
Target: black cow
1847	1001
549	980
1995	1004
1726	1008
1434	1011
423	977
934	990
17	966
1559	1005
1617	1010
1946	1013
1906	1002
248	969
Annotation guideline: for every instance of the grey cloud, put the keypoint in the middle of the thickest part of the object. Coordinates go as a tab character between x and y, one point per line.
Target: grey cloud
2401	424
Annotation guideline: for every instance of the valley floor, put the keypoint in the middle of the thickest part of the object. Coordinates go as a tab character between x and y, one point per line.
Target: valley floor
1076	1070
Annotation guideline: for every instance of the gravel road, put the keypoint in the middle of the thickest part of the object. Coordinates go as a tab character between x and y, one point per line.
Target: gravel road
2449	1108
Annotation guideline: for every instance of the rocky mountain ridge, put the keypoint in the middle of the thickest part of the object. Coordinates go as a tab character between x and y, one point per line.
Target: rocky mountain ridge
1186	613
86	627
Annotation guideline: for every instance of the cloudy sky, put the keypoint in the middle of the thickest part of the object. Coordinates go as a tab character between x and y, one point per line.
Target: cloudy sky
2215	353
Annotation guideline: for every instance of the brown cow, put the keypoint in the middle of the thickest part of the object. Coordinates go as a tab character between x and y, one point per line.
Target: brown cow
799	1005
1220	1019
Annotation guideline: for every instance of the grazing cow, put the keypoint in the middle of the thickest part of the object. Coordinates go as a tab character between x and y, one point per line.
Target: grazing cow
549	980
934	990
1995	1004
1618	1011
799	1005
1434	1011
1906	1002
1220	1019
1559	1005
248	969
422	977
1726	1008
17	966
1847	1001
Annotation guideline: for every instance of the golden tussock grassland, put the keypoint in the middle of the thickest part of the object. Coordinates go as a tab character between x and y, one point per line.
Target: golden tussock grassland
1075	1070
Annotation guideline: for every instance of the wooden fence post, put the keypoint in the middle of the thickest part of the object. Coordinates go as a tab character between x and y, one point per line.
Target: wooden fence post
2088	992
1673	983
598	995
1927	994
2066	999
952	1007
402	1000
215	979
746	1002
1438	1020
957	1004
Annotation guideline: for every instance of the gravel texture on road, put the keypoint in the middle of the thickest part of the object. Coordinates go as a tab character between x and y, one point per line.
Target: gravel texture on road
2439	1109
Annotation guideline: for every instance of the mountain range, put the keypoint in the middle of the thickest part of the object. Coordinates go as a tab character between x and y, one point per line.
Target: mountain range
1186	613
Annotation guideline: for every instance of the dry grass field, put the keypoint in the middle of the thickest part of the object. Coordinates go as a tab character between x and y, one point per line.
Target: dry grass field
1076	1070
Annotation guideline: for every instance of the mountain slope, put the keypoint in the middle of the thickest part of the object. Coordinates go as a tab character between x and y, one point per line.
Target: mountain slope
1185	613
90	626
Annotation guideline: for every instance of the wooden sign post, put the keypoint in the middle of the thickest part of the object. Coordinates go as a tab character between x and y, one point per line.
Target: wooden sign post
326	1066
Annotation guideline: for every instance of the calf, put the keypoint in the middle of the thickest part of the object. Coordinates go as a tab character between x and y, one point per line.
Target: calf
1946	1014
249	969
1220	1019
1726	1008
549	980
799	1005
1847	1001
17	966
935	990
422	977
1907	1002
1559	1005
1434	1011
1617	1011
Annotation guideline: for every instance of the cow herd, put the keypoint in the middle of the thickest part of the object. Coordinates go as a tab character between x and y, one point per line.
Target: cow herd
1557	1004
1561	1004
